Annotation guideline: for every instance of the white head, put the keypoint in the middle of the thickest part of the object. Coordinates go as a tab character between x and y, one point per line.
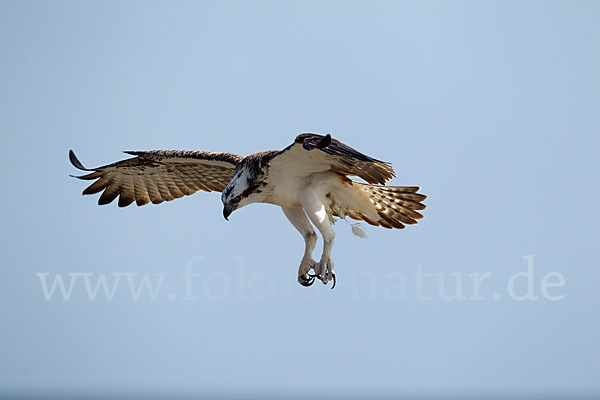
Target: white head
245	188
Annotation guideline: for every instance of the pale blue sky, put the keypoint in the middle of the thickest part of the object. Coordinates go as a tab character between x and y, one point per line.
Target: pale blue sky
491	107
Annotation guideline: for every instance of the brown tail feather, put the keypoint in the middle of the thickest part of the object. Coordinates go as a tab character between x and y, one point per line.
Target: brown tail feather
394	206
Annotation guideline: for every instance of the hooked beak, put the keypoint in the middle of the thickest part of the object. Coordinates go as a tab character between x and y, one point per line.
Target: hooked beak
227	212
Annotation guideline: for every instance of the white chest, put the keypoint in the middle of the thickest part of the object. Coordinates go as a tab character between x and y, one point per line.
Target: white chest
287	191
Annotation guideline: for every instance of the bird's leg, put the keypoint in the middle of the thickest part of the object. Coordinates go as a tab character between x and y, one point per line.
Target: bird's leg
316	212
297	217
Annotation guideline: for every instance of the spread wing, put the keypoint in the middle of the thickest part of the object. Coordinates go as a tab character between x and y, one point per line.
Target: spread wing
312	153
157	176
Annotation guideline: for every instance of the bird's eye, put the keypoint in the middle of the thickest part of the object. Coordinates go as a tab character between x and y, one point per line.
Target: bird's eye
237	199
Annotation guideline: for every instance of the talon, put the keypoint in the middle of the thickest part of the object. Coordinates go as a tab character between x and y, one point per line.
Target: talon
306	282
314	276
333	276
319	277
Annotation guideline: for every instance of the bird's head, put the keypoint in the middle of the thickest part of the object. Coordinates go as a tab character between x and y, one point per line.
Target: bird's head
245	188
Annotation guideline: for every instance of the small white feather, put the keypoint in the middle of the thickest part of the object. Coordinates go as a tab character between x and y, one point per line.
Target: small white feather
358	231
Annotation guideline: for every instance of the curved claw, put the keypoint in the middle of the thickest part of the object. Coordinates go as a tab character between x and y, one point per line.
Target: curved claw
334	281
307	282
313	276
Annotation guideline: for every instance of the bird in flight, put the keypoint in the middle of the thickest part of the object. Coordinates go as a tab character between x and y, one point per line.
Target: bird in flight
309	180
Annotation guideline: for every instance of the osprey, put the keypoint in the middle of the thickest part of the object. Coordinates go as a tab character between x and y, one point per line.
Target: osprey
309	180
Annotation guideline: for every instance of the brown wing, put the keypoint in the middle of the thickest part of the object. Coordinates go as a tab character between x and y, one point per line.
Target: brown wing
157	176
312	153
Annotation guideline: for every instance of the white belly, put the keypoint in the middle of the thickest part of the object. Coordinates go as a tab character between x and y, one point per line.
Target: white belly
326	185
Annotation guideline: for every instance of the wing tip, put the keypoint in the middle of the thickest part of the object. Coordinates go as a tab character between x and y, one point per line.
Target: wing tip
102	201
324	142
75	161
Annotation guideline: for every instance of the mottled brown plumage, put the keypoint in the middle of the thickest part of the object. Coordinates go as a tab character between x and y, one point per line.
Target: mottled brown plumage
157	176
